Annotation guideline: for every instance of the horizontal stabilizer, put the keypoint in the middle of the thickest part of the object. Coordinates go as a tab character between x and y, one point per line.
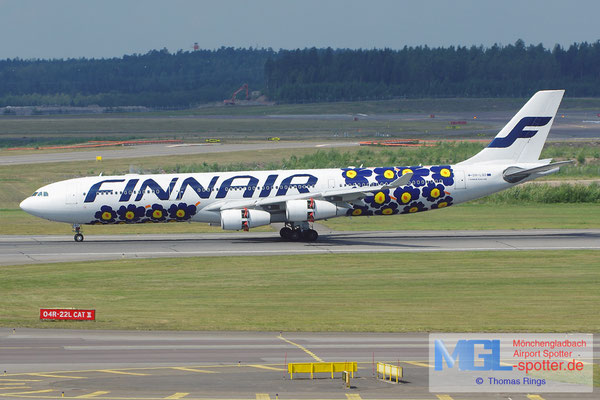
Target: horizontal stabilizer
517	174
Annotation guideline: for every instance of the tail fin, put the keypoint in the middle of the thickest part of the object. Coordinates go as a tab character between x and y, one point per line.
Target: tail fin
522	139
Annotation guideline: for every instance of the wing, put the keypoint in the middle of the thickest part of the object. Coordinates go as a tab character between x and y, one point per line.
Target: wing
344	194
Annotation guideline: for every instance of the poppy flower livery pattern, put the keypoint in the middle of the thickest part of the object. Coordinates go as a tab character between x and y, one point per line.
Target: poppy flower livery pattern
429	189
132	213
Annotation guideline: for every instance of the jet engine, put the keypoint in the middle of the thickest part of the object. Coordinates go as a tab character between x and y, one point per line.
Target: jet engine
309	210
244	219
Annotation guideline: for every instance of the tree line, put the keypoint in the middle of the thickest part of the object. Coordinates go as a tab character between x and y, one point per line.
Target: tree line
162	79
514	70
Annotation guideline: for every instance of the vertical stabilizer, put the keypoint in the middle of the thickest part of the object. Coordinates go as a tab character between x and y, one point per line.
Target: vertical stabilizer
523	138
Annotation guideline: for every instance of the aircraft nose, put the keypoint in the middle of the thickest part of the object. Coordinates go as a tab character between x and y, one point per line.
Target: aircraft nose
27	205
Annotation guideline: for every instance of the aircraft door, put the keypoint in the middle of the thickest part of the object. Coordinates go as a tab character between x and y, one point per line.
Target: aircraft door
332	184
71	194
459	180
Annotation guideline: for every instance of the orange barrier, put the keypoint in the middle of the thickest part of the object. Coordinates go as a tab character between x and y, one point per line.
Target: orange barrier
99	143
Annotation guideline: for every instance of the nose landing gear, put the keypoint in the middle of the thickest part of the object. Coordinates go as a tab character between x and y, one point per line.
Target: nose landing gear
78	235
295	232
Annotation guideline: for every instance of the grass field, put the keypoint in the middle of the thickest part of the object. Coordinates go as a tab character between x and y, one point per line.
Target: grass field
480	291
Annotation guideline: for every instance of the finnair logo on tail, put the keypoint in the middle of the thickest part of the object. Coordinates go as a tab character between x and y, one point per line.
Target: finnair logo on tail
519	132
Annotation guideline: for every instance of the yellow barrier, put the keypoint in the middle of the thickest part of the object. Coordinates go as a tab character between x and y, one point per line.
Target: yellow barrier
312	368
389	370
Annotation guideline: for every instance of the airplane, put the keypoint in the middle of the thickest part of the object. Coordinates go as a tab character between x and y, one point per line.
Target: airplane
247	199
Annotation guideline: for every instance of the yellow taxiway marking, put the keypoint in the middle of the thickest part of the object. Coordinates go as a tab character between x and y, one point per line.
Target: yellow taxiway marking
90	395
112	371
265	367
203	371
20	380
535	397
177	396
304	349
353	396
15	387
32	392
263	396
57	376
444	397
418	364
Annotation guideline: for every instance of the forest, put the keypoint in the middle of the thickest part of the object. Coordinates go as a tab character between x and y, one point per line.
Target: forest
189	78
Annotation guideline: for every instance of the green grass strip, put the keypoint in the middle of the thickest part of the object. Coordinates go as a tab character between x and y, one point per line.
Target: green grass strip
529	291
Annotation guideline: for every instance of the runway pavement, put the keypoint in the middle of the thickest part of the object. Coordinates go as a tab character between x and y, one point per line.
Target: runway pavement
41	249
52	363
157	150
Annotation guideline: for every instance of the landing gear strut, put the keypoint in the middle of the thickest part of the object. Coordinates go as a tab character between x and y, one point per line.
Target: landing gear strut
78	235
294	232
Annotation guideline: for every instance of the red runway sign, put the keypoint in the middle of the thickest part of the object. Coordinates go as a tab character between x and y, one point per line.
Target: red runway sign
67	314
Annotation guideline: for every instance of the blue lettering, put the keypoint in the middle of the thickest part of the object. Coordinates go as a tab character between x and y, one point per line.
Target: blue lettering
128	191
91	195
156	189
287	184
198	188
268	186
227	185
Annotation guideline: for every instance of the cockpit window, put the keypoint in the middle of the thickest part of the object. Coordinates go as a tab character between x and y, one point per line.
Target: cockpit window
45	194
40	194
34	194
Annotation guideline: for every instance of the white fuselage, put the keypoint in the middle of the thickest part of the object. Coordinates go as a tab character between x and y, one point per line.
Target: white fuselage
106	199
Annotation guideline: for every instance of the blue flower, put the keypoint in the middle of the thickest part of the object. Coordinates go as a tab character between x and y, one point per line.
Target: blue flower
182	211
414	207
406	194
379	199
433	191
157	213
131	213
106	215
359	211
445	202
419	174
385	174
443	173
356	176
389	209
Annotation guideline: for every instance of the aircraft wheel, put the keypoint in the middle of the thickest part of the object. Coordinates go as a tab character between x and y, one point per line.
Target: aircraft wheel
285	233
78	237
294	235
311	235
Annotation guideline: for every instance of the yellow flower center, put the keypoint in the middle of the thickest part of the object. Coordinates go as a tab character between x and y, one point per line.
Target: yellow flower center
180	213
380	198
106	215
351	174
445	172
442	204
388	174
406	197
129	215
387	211
435	192
157	214
413	209
358	211
406	171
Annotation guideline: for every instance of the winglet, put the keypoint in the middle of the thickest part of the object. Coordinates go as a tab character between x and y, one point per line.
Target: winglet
400	181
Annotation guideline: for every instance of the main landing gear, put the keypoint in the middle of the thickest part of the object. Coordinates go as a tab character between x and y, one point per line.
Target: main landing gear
78	235
298	232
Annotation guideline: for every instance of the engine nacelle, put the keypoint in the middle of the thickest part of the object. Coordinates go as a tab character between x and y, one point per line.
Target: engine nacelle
309	210
244	219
